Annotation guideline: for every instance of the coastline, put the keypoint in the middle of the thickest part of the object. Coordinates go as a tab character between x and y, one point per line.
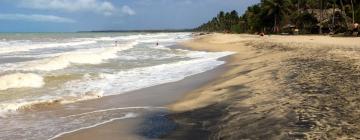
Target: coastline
277	87
155	96
274	87
123	115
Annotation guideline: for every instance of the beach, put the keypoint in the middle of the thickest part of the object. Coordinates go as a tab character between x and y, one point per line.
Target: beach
277	87
213	86
96	85
156	96
180	70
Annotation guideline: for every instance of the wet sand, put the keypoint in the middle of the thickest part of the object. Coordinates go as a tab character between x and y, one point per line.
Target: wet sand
132	128
277	87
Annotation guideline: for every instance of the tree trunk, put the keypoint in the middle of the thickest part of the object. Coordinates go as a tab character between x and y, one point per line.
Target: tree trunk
321	16
333	17
276	28
343	10
353	11
298	6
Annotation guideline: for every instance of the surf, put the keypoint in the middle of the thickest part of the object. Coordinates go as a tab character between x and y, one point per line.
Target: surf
21	80
64	60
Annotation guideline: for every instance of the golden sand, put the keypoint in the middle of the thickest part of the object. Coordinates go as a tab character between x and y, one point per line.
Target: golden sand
278	87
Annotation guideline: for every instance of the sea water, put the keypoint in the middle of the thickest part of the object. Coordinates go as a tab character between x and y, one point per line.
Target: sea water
63	68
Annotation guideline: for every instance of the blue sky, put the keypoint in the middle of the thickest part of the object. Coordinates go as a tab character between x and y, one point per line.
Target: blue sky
81	15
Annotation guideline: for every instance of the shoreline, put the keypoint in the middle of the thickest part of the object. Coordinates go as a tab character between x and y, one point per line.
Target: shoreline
151	96
277	87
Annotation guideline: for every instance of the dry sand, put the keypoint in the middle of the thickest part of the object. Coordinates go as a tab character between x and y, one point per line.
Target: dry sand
278	87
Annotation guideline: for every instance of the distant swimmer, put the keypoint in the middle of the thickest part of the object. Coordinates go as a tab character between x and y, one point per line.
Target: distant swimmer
157	43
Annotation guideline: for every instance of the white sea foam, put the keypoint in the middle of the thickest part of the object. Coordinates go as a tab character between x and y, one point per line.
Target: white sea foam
14	105
30	46
117	83
148	38
63	60
141	67
21	80
138	78
27	45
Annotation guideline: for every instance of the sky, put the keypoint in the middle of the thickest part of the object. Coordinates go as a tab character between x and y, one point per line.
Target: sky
87	15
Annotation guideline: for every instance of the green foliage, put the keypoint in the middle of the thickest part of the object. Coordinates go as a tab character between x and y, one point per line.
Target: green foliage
272	16
237	28
357	12
253	17
223	22
305	20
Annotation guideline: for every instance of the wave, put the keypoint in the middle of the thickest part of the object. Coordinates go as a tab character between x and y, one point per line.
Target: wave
97	112
21	80
63	60
28	47
126	116
15	105
143	77
48	49
113	109
118	83
36	126
148	38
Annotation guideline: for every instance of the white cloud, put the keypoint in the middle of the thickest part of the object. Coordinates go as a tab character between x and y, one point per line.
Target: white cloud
101	7
127	10
36	17
149	2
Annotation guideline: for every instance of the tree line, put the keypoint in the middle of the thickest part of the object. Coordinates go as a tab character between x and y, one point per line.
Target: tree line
277	16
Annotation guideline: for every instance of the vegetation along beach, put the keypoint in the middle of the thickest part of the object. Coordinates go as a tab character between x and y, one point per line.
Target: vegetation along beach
179	70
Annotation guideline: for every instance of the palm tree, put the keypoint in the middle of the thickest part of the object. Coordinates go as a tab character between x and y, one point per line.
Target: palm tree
298	6
234	17
253	19
277	9
343	10
321	15
353	11
333	12
221	18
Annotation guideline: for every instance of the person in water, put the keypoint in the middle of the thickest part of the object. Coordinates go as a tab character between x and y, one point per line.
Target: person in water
157	43
116	43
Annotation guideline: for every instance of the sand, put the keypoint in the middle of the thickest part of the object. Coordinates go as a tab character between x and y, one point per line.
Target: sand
277	87
133	128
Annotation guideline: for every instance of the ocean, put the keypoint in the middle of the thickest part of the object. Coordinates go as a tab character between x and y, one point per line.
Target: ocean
65	68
